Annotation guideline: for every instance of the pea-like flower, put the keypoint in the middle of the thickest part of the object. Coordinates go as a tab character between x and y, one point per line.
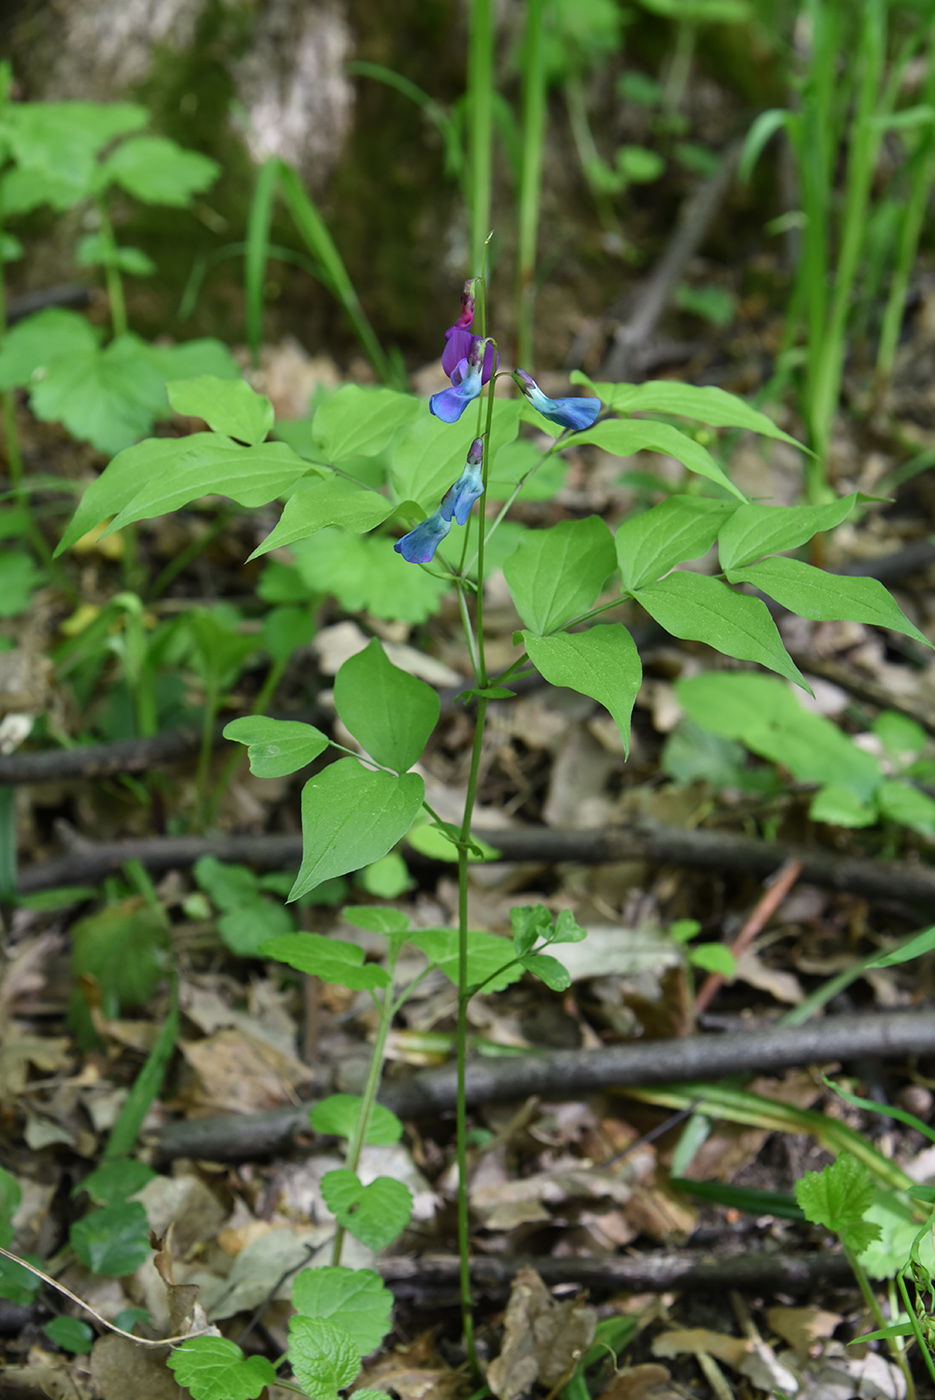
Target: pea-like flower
419	546
466	383
568	413
458	499
460	337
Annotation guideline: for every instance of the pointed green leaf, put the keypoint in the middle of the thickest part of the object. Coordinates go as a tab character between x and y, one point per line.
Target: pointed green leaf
491	960
377	918
908	806
331	959
753	530
558	573
318	504
602	662
623	438
705	404
228	406
683	527
700	609
549	970
338	1115
351	817
373	1214
157	171
359	422
214	1368
353	1299
276	747
388	711
820	596
323	1357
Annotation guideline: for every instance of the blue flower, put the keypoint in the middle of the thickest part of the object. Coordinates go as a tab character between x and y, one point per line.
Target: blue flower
459	338
568	413
458	499
419	546
466	384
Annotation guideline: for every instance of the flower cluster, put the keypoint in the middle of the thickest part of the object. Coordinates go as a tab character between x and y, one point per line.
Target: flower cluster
470	361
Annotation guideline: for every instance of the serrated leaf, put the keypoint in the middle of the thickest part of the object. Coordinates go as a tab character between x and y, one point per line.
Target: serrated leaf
276	747
623	438
228	406
157	171
602	662
328	958
113	1240
491	960
214	1368
838	1197
556	574
548	970
755	530
39	340
96	251
338	1115
701	609
365	574
360	422
353	1299
320	504
61	139
706	404
389	712
567	930
323	1357
373	1214
108	397
682	527
822	596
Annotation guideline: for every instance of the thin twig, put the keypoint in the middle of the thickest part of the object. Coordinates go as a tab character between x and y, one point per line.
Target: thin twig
758	918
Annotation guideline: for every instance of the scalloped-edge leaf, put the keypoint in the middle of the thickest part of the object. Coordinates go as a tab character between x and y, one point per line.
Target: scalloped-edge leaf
337	1115
214	1368
354	1299
373	1214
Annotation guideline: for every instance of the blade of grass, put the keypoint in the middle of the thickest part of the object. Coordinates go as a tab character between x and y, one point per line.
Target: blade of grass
259	223
480	125
530	180
146	1086
447	129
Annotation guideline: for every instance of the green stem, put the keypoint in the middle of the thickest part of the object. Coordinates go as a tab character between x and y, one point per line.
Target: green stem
118	305
212	703
530	179
870	1299
371	1088
480	123
923	1345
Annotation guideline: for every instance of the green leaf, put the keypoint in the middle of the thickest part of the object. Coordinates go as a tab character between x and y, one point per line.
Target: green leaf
60	140
96	251
840	805
700	609
901	736
214	1368
491	960
319	504
328	958
838	1198
37	341
323	1356
373	1214
19	579
157	171
70	1334
360	422
113	1182
682	527
227	405
387	878
530	923
216	465
428	459
602	662
193	358
556	574
10	1196
246	929
907	805
338	1115
439	841
277	747
549	970
821	596
710	303
916	947
365	574
566	929
353	1299
753	530
107	397
390	713
123	947
228	885
22	191
637	435
713	957
17	1283
377	918
113	1240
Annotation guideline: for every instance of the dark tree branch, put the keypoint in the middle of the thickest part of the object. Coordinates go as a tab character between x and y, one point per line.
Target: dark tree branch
570	1073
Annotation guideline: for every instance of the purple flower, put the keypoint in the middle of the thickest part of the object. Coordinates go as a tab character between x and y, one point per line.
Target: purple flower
458	499
466	384
419	546
568	413
459	338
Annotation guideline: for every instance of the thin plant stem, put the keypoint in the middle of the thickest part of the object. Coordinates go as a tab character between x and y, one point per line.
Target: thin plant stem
480	123
236	759
870	1299
118	305
919	1336
530	179
212	704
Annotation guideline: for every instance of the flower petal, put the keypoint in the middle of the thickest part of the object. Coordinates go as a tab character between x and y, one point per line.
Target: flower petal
568	413
420	544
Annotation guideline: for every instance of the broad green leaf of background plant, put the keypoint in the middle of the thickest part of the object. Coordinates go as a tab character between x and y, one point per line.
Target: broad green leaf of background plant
96	251
228	406
23	190
214	1368
822	597
338	1115
123	947
428	458
71	1334
39	340
838	1198
115	1181
489	957
839	805
331	959
107	397
353	1299
705	404
360	422
10	1197
755	530
530	923
249	919
390	713
19	579
392	923
156	170
62	139
113	1240
276	747
323	1357
192	358
897	1223
558	573
683	527
908	806
602	662
701	609
318	504
624	437
373	1214
364	574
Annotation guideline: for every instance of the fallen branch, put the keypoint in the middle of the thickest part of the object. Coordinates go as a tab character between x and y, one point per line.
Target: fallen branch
646	1273
889	882
570	1073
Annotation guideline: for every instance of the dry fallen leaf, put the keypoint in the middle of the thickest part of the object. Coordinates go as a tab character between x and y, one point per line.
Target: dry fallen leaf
640	1383
542	1339
692	1340
237	1072
120	1370
802	1327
